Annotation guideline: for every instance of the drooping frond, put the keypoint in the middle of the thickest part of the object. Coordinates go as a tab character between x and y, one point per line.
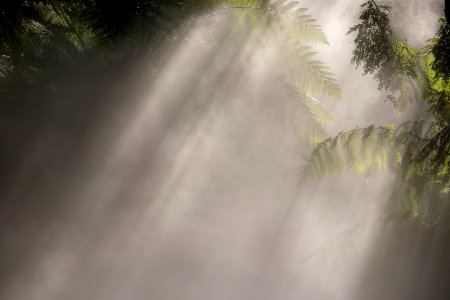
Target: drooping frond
294	19
39	39
150	21
292	33
53	36
295	31
296	112
372	148
417	151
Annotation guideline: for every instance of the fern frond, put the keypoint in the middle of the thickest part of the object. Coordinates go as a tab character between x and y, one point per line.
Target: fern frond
418	151
294	20
374	147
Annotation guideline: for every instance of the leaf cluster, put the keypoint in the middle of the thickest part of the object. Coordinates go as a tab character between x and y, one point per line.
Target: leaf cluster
418	151
296	33
42	41
378	50
440	50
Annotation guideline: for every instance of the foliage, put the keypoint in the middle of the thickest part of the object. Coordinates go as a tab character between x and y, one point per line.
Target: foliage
42	41
291	27
409	149
36	35
378	51
418	151
440	50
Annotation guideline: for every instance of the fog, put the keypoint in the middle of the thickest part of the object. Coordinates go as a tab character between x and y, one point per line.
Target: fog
181	182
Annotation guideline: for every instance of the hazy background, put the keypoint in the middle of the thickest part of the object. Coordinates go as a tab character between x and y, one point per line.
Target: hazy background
175	185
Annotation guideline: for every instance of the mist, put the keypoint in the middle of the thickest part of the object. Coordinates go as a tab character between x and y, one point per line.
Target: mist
179	180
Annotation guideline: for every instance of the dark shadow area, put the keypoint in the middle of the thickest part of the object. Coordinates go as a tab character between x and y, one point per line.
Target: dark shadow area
407	261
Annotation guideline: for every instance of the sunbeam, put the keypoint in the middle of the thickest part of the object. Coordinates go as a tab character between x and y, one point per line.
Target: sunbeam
179	176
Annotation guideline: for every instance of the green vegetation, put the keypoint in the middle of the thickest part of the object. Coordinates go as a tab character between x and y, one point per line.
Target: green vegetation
44	43
419	150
